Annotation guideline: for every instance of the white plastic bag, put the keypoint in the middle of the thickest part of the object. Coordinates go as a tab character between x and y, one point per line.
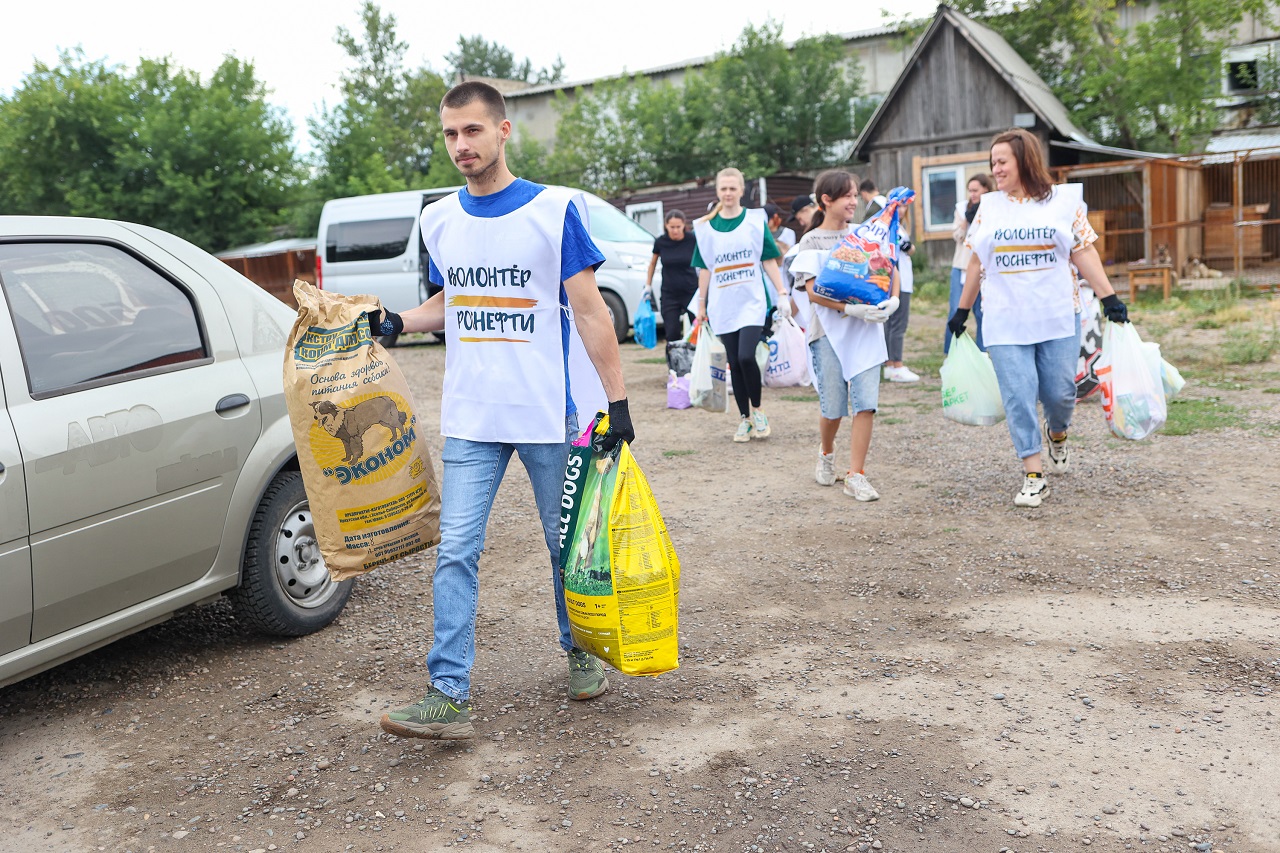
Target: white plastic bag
788	356
1133	400
708	374
970	392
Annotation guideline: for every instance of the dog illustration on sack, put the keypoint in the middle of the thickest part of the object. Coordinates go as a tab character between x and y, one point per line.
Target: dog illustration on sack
348	424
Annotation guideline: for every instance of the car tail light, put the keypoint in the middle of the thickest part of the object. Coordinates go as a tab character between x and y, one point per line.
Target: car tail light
319	274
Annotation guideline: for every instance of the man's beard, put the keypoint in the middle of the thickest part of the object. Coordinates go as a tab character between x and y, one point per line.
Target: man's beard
484	173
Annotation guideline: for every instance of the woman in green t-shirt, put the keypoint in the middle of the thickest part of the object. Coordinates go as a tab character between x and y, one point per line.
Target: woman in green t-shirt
734	248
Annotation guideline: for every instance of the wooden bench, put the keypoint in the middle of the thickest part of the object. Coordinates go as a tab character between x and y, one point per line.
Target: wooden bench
1150	275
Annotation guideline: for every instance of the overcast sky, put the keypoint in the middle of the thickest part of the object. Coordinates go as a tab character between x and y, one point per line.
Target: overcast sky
291	43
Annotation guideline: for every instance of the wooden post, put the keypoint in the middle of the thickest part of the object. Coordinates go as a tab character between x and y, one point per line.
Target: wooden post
1147	246
1237	200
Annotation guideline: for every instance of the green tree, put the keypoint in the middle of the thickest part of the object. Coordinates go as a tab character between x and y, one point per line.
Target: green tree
1152	86
210	162
383	135
477	57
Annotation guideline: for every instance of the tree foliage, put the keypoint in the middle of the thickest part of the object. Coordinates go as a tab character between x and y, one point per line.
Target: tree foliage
477	57
761	106
1150	86
383	135
209	161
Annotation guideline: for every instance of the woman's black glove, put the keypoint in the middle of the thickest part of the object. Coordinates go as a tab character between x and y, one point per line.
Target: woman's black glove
1114	309
971	211
957	321
620	428
385	322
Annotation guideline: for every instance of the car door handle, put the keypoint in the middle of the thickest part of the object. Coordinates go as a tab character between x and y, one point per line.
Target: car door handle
231	402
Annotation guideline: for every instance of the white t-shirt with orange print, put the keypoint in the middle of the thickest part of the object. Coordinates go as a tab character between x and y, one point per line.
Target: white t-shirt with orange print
1025	246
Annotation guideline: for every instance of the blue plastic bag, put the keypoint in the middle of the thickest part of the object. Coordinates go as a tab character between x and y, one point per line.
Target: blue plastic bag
646	326
860	267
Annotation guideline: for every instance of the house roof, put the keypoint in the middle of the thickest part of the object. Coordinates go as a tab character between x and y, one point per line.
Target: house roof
696	62
275	247
1006	62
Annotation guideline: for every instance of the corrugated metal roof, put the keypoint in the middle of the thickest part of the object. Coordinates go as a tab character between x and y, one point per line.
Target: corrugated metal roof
275	247
696	62
1243	140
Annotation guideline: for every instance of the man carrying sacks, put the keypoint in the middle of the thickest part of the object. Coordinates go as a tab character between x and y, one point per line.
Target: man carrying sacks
513	258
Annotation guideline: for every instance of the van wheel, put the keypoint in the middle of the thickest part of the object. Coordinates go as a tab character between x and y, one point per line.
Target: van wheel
285	588
617	313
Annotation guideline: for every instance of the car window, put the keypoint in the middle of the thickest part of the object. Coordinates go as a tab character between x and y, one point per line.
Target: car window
368	240
606	222
89	313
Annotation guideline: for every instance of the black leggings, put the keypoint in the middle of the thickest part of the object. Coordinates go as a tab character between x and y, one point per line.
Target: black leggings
744	372
673	311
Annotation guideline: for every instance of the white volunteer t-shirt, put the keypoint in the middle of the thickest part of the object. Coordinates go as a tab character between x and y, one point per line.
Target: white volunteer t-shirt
858	345
735	296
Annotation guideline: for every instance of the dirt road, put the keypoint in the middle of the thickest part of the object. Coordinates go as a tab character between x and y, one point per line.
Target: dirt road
937	671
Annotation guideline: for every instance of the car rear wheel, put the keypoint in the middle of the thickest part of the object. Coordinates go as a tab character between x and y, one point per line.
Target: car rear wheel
617	313
285	588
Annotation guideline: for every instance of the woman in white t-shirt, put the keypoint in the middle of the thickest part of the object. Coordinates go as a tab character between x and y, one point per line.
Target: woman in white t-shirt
847	342
1026	235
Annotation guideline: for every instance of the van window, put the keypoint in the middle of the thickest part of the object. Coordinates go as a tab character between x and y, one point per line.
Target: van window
369	240
88	313
610	225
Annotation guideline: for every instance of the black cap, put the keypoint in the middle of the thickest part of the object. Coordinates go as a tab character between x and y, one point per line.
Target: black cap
800	202
771	210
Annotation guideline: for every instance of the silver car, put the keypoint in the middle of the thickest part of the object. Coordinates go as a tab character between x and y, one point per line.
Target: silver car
146	459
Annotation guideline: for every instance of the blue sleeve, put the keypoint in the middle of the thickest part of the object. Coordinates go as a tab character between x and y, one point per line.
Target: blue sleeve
433	273
577	250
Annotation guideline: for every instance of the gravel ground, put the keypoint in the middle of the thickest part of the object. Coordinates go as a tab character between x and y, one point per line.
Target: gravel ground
937	671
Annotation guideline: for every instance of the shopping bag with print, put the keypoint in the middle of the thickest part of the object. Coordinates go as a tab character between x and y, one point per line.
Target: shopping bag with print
707	377
1090	344
970	392
1133	399
620	572
860	267
788	356
646	325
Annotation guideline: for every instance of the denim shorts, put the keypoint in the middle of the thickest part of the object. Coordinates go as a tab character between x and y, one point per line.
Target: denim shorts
836	397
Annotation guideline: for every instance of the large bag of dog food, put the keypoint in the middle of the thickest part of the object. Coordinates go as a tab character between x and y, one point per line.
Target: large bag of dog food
860	267
620	571
365	462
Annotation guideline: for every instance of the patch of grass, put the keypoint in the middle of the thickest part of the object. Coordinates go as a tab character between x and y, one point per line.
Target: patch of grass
1228	316
1200	414
927	363
661	360
670	453
1250	346
892	420
800	398
1271	390
951	530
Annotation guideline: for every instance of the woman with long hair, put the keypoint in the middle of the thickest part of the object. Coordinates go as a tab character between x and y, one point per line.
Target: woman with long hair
966	209
674	247
847	342
1026	235
734	248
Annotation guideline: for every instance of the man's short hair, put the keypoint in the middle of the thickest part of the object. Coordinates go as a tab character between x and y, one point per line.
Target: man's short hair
867	186
473	90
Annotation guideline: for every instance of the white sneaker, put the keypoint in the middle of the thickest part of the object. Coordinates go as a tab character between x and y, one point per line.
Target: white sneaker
1034	490
744	431
857	487
760	425
1059	453
825	473
901	374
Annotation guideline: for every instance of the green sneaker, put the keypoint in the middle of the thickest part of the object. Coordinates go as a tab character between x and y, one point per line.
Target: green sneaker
586	676
437	717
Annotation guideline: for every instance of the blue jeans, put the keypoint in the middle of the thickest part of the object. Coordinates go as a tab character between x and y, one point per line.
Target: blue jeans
1044	371
472	472
957	285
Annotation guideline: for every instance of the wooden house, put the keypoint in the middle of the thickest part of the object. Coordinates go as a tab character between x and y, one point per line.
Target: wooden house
962	85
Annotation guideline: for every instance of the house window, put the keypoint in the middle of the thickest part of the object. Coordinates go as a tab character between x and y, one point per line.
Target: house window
648	215
1242	76
943	187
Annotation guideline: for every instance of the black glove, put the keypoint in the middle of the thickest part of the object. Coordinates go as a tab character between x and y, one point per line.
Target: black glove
957	321
620	428
1114	309
971	211
385	322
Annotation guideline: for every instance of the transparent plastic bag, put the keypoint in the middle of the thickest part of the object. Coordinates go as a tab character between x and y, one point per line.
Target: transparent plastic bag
970	392
1133	398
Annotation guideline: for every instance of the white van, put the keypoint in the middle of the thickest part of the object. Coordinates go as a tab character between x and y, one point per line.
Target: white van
371	244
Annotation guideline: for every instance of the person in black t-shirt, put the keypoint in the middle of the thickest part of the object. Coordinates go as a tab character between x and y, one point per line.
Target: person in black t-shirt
674	248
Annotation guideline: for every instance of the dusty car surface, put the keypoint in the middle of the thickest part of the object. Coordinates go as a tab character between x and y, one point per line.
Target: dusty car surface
146	459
